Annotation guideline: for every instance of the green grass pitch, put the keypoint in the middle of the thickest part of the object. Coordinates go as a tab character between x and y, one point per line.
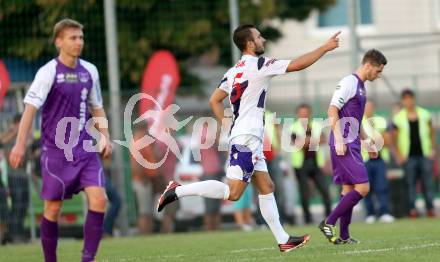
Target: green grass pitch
405	240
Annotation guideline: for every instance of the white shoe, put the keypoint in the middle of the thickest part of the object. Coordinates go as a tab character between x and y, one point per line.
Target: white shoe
370	219
386	218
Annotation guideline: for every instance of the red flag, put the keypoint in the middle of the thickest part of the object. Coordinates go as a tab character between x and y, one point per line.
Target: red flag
4	82
160	80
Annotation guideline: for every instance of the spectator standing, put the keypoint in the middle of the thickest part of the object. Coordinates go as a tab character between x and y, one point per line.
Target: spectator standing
142	182
307	162
375	126
415	146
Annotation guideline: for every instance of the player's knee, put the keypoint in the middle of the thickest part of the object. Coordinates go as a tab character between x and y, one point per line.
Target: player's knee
268	188
271	187
234	193
363	190
98	202
52	210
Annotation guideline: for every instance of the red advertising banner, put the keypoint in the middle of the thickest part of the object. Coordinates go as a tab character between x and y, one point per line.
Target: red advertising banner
4	82
160	81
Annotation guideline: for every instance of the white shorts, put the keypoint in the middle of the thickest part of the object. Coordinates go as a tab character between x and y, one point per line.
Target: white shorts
245	157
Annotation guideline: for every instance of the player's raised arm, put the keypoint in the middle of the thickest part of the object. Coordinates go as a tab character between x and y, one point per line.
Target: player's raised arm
17	153
308	59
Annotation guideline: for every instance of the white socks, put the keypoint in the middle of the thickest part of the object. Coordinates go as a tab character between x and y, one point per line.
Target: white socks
208	189
269	210
219	190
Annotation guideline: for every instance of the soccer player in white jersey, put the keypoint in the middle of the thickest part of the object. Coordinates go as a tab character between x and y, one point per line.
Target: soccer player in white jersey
246	84
67	88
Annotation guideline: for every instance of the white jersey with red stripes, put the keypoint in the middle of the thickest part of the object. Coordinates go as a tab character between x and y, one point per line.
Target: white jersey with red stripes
247	84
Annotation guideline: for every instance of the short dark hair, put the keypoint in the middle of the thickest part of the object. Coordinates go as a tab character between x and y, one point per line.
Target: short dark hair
242	35
374	57
407	92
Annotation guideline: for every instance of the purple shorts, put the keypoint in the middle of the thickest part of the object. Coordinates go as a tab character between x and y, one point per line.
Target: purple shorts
62	178
348	169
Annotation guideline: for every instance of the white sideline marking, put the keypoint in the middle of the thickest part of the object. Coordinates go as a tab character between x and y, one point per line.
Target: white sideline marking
251	250
386	249
355	252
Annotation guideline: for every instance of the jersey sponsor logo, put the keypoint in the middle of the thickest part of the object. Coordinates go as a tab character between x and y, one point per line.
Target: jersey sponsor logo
240	64
84	77
341	100
71	78
83	109
61	78
270	62
34	95
338	87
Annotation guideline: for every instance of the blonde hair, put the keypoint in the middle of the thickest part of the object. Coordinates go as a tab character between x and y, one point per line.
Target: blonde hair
63	24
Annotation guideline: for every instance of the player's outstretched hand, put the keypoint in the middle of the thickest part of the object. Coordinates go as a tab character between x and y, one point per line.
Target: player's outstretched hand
105	147
332	42
16	156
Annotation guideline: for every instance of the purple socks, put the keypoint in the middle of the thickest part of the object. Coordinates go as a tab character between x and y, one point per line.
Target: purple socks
345	205
49	239
93	229
344	222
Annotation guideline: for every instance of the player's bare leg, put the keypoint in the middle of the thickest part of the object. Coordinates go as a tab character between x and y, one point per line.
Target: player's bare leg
93	226
269	211
236	189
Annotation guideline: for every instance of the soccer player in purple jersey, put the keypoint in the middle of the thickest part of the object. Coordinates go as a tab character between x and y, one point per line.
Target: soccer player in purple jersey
345	113
67	88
